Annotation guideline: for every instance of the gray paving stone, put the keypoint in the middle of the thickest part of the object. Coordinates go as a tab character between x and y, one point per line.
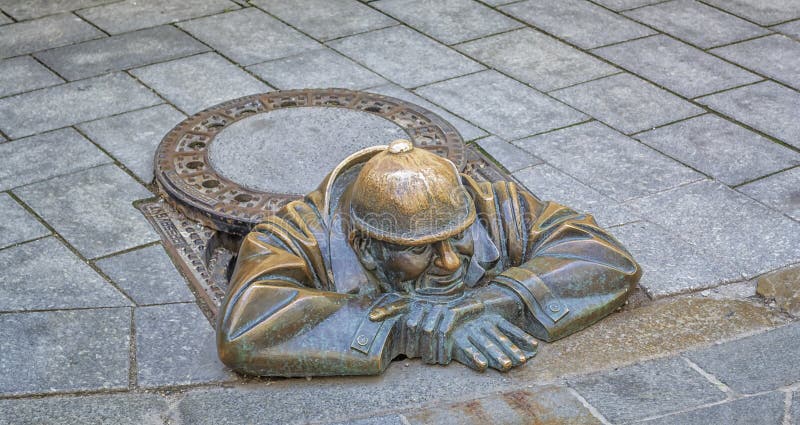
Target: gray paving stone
608	161
767	107
119	409
92	209
467	130
726	224
54	351
764	409
130	15
625	4
44	275
120	52
780	191
761	12
449	21
176	345
326	19
23	74
147	275
550	184
792	29
536	59
199	82
318	68
627	103
132	137
5	19
646	389
679	67
41	157
377	420
29	9
696	23
775	56
577	21
500	105
45	33
795	412
17	224
395	54
249	36
758	363
509	156
72	103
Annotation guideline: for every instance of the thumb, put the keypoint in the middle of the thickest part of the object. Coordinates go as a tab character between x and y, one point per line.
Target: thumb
383	312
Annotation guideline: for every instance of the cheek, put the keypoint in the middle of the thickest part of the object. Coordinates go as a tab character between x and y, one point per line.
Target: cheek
407	266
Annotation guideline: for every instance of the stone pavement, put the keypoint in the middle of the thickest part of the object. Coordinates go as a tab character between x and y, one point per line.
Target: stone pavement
674	122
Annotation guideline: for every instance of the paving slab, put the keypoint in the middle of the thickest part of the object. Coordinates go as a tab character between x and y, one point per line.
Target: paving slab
500	105
316	69
249	36
783	288
23	74
397	54
764	409
688	71
196	83
608	161
767	107
449	21
775	56
30	9
619	5
721	149
627	103
130	15
92	209
536	59
175	345
45	33
44	274
327	19
47	155
760	12
132	137
577	21
120	52
646	389
56	351
5	19
18	225
762	362
795	408
780	191
72	103
119	409
507	155
377	420
792	29
696	23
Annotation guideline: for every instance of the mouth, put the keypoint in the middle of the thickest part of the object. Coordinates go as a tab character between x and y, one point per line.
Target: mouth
431	284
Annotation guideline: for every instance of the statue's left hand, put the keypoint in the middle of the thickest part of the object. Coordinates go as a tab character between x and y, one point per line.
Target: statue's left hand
492	341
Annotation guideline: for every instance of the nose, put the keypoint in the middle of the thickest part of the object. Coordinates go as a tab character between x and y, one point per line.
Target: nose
446	257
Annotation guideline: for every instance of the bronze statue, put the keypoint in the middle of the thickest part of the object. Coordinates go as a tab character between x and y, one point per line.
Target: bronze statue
396	253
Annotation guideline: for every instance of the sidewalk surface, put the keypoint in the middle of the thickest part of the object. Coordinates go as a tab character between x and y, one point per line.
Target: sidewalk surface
677	123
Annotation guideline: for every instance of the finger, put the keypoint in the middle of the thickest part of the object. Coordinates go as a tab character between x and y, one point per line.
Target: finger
512	351
415	317
497	358
466	354
428	343
446	327
393	308
521	338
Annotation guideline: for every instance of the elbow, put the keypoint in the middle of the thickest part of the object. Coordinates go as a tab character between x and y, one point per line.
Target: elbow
231	353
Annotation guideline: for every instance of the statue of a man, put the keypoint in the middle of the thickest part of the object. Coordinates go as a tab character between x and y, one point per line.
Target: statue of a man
397	254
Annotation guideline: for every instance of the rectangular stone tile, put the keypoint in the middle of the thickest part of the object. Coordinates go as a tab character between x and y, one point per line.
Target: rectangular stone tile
795	408
249	36
627	103
780	191
47	155
775	56
120	52
44	274
646	389
193	84
550	184
608	161
449	21
536	59
792	29
767	107
721	149
92	209
679	67
500	105
54	351
761	12
23	74
5	19
696	23
119	409
132	137
53	31
326	19
754	364
395	53
625	4
29	9
130	15
509	156
317	68
17	224
577	21
727	224
72	103
766	409
175	345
